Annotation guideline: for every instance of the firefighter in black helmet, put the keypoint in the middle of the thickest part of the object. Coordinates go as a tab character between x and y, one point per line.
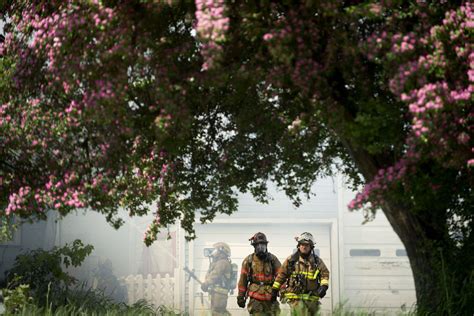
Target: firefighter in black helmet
259	270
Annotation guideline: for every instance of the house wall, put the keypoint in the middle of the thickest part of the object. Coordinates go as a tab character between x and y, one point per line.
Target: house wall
323	203
376	272
124	248
29	236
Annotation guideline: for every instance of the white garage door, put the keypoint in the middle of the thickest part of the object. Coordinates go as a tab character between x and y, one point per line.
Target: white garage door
281	243
377	273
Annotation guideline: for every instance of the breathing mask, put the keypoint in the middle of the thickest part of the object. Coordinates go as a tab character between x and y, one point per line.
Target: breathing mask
261	250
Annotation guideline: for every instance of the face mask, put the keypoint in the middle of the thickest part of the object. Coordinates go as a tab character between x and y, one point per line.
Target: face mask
260	249
215	254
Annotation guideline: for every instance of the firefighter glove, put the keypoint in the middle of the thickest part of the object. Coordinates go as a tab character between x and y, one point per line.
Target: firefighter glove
322	291
274	295
241	301
204	287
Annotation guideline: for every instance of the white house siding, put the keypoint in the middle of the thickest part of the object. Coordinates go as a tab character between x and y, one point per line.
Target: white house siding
123	247
383	282
92	228
323	204
28	237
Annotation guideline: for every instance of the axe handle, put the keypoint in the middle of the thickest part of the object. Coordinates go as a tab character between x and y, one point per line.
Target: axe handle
191	274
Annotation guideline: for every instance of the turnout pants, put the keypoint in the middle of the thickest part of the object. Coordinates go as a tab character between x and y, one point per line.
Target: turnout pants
219	304
304	308
263	308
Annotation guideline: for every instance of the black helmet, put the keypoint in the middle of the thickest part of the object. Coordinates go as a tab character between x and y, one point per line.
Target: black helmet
258	238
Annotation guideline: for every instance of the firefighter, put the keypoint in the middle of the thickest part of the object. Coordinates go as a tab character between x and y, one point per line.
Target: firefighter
258	272
218	278
306	277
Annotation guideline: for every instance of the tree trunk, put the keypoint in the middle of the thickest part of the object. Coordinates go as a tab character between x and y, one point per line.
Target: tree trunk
425	260
429	272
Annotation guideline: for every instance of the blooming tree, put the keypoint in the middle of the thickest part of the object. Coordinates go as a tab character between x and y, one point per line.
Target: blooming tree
108	104
86	122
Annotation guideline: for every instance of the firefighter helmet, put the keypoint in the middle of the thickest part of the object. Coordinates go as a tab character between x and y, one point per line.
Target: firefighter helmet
305	238
222	247
258	238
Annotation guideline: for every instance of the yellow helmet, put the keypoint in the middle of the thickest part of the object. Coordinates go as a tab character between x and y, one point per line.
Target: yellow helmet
305	238
222	247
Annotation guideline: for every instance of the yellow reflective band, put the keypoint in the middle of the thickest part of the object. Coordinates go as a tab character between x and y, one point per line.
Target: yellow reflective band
276	285
304	297
221	290
308	275
324	282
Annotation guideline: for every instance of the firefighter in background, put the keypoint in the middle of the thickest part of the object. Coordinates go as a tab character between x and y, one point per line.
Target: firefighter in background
218	278
259	270
306	277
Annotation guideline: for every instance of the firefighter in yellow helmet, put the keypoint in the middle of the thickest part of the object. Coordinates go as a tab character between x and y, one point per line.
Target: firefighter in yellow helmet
217	278
306	277
259	270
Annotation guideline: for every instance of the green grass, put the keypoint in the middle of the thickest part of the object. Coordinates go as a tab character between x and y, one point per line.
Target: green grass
84	301
80	301
139	308
144	308
344	310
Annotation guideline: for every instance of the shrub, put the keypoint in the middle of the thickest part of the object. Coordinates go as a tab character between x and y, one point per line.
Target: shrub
16	298
43	272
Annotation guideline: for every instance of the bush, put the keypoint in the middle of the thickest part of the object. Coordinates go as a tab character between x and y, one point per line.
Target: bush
43	272
17	298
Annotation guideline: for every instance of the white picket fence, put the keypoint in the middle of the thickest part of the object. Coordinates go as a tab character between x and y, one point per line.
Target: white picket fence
154	289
